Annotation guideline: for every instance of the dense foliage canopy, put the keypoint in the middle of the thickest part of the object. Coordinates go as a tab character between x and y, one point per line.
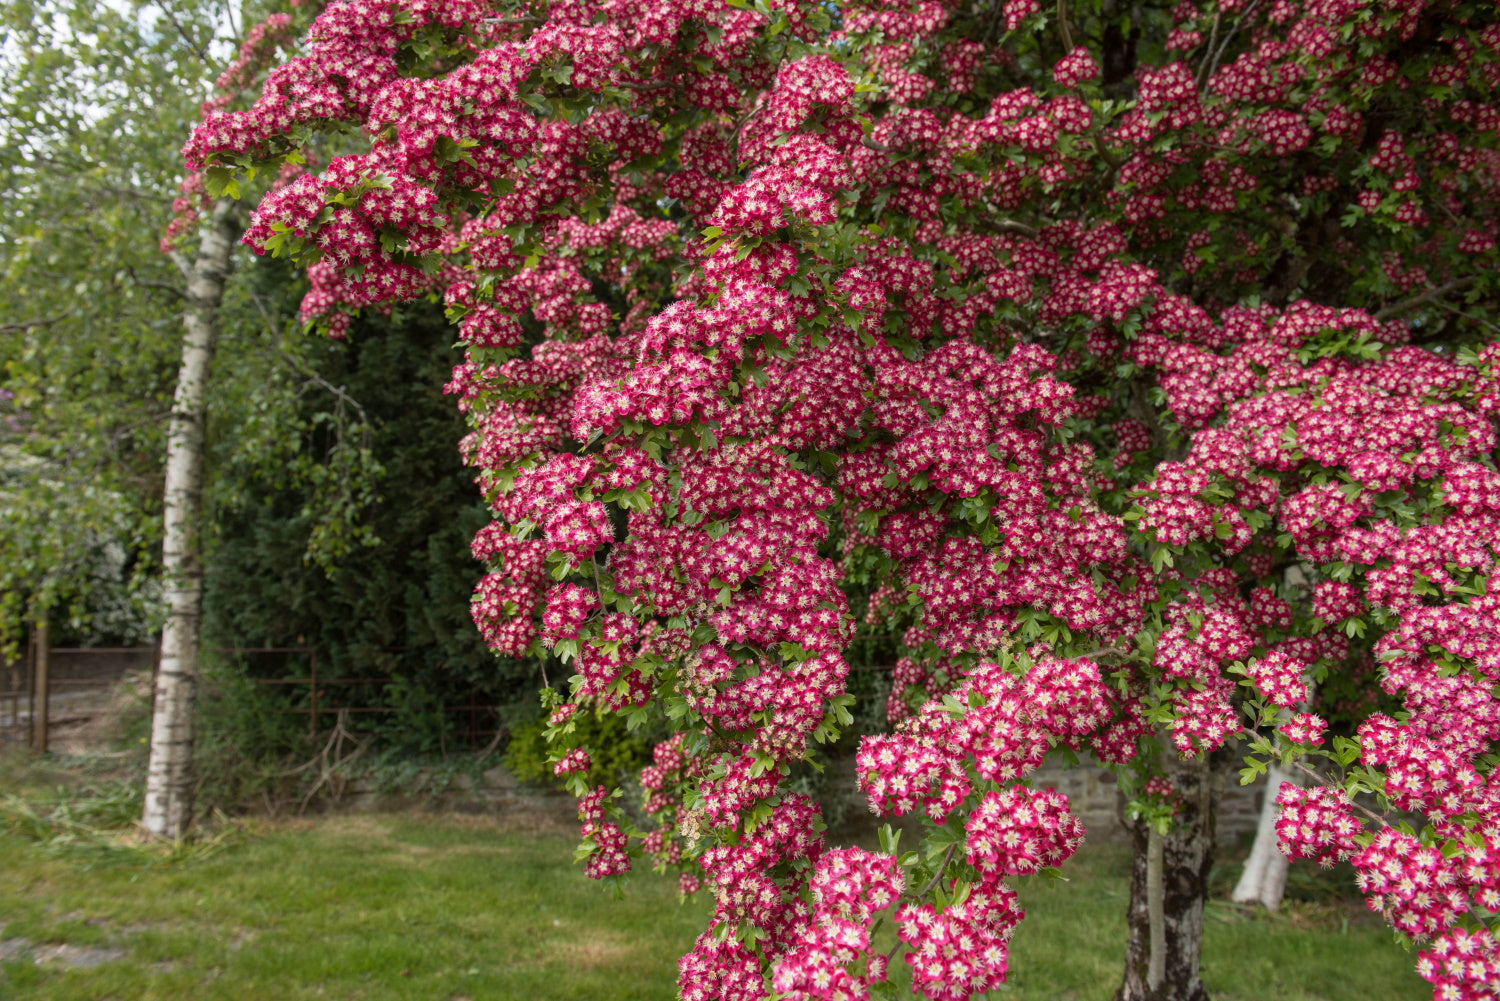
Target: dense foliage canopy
390	609
1147	351
87	307
91	325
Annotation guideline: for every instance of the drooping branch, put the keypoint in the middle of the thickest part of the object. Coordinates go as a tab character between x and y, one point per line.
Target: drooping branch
1431	295
25	325
174	290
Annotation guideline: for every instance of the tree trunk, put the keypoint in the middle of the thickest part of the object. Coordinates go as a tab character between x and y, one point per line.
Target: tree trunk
1264	878
41	674
169	772
1168	888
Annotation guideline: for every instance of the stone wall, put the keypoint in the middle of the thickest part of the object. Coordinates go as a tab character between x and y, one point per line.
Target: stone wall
1094	799
495	790
1091	791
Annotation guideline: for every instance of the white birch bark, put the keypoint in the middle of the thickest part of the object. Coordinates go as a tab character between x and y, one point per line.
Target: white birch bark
169	770
1264	878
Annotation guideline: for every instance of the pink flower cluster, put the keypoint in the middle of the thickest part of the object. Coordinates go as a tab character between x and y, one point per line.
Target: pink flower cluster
1305	728
964	949
576	760
1067	698
1417	890
668	767
1317	824
1334	601
934	758
1279	679
568	608
848	886
1162	790
1017	832
609	852
745	891
1462	965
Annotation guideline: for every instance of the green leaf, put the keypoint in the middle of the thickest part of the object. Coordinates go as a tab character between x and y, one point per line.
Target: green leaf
221	182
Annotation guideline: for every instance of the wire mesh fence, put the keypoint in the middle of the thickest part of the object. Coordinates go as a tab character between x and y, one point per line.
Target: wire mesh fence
41	706
52	705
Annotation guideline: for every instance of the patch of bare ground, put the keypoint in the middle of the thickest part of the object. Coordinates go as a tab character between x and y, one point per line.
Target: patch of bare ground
519	821
76	957
377	826
592	950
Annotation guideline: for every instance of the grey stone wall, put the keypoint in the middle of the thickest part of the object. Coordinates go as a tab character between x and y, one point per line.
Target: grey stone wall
1094	799
1092	796
1090	788
495	790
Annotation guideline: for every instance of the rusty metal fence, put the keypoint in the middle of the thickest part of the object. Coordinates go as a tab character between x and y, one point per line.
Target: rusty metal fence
321	698
47	696
53	692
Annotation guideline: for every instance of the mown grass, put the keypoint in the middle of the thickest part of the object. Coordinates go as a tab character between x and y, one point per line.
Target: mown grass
453	907
1071	944
355	907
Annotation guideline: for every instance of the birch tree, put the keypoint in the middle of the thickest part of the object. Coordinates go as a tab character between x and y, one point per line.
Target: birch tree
94	312
169	772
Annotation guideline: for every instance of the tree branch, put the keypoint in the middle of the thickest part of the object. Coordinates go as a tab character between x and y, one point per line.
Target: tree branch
1208	50
1012	226
1213	64
184	266
1432	294
641	88
734	136
152	283
198	50
598	588
1322	780
1110	159
16	328
233	22
311	374
1467	316
936	875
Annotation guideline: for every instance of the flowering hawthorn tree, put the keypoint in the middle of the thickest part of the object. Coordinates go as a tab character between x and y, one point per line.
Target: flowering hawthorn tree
1079	326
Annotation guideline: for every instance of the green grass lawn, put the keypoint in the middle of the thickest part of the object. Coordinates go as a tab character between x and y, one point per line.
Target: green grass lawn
449	907
396	907
1071	944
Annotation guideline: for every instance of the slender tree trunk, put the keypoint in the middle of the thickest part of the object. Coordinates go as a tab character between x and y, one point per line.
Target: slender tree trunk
169	772
42	680
1264	878
1168	888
